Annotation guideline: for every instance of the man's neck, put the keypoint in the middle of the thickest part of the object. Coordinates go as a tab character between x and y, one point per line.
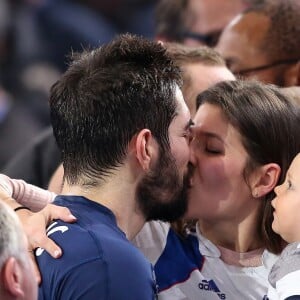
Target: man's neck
119	197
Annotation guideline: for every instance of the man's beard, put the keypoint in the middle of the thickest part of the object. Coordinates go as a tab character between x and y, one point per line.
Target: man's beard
162	194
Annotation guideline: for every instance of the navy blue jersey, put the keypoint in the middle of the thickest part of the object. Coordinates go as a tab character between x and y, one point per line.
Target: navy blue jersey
98	261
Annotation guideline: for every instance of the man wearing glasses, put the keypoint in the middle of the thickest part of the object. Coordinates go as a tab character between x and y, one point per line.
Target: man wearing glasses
264	43
196	22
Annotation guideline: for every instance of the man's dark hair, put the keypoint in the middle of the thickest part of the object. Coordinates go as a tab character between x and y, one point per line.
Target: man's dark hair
282	40
106	97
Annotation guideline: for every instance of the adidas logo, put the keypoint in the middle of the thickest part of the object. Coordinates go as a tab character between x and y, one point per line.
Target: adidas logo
210	285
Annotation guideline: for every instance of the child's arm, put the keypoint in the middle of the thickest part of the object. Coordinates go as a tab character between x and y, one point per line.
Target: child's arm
285	274
26	194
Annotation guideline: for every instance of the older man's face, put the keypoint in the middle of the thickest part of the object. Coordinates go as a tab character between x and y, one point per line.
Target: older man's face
208	19
241	46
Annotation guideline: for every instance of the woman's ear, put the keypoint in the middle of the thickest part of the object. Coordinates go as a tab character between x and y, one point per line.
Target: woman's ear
265	179
145	148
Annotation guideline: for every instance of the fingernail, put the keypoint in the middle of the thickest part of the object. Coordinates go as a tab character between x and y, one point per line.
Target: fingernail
57	253
72	217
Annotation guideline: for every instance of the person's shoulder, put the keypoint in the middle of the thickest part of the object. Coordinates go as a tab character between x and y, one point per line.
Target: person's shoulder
80	253
285	273
95	235
75	240
94	254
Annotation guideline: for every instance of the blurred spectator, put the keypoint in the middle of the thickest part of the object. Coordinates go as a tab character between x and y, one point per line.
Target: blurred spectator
17	124
202	67
42	33
35	38
5	26
61	26
264	43
195	22
17	127
36	162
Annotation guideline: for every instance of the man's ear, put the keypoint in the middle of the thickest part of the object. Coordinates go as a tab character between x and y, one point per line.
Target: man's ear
265	179
12	277
146	148
292	75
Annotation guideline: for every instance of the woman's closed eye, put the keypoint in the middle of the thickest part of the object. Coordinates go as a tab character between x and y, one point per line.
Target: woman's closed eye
214	146
213	150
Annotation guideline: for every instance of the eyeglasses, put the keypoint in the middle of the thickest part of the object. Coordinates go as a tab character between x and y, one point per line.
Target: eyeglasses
265	67
209	39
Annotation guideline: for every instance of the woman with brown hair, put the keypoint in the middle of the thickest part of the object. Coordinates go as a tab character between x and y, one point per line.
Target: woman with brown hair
244	138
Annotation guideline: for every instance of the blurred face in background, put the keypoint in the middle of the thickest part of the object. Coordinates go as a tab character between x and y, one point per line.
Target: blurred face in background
240	44
201	77
208	18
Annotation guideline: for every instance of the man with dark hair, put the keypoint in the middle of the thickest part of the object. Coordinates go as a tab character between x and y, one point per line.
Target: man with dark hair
122	127
263	43
195	22
201	68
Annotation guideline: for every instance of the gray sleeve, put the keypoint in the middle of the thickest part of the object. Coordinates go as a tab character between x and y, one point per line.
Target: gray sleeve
289	261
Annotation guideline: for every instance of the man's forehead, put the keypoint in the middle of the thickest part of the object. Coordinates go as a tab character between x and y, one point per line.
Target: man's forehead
205	75
241	42
253	25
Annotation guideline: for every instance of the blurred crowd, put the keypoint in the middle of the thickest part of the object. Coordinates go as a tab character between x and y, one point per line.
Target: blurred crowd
239	138
36	40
